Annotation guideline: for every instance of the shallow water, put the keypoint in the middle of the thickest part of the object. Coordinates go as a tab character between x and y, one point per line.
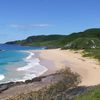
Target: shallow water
17	63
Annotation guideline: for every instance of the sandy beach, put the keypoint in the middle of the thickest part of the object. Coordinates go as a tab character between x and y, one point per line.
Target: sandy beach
88	69
54	60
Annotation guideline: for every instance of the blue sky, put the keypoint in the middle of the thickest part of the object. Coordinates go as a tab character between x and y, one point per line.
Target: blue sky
22	18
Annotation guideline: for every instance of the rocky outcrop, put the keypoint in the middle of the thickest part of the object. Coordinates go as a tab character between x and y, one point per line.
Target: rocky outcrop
6	86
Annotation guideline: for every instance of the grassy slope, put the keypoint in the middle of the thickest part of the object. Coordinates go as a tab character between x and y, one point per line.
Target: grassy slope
94	53
93	94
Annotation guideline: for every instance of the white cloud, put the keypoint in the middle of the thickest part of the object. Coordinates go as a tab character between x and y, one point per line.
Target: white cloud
41	25
29	26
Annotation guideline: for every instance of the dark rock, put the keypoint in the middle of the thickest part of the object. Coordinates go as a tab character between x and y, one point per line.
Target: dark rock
3	87
6	86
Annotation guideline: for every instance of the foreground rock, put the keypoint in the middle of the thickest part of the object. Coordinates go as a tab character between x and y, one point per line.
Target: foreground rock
40	87
6	86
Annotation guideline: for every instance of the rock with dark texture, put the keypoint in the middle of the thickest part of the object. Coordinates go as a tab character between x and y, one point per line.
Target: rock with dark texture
6	86
3	87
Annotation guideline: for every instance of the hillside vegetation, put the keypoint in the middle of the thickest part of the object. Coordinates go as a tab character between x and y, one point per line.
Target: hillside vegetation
41	40
81	40
92	94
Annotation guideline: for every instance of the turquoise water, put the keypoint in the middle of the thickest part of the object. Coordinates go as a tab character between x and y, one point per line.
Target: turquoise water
9	57
18	64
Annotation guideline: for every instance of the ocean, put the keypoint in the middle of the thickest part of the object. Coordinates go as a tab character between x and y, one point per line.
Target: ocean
18	63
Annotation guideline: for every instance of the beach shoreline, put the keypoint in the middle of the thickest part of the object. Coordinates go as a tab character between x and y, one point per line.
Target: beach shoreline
61	59
55	60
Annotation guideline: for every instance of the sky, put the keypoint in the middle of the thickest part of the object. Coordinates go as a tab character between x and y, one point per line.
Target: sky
22	18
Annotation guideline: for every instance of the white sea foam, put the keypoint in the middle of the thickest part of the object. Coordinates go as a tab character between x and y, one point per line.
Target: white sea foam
26	77
1	77
32	69
30	56
29	76
31	63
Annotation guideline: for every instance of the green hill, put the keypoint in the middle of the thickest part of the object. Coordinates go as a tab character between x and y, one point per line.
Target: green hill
81	40
83	43
41	40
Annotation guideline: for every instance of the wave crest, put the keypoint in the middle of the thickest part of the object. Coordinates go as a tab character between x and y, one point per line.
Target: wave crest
1	77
